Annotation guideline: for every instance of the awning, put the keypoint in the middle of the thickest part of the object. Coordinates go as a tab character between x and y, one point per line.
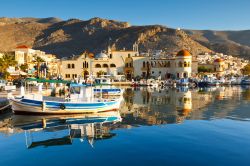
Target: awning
49	81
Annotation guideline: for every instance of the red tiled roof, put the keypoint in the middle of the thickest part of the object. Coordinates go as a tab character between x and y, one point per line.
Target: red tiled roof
22	46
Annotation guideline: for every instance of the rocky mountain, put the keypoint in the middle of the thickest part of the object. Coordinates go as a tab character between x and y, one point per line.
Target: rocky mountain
73	36
228	42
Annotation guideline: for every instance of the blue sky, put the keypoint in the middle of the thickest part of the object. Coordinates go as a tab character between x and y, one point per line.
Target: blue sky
189	14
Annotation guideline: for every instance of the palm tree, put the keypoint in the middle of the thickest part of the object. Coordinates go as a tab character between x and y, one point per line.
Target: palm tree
6	61
38	60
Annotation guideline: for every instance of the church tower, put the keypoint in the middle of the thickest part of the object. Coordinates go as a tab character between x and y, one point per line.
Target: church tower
135	47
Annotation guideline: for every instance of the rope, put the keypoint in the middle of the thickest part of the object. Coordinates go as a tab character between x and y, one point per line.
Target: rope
4	107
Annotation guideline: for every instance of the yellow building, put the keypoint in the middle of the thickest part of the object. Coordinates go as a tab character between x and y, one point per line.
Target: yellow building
129	63
111	62
219	66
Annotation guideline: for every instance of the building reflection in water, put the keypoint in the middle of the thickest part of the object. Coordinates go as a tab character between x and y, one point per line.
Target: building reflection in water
145	106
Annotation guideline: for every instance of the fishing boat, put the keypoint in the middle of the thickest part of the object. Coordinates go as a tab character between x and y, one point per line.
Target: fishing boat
214	82
245	81
77	102
236	80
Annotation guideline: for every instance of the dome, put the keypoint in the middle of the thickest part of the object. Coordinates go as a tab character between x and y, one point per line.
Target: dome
183	53
218	60
101	55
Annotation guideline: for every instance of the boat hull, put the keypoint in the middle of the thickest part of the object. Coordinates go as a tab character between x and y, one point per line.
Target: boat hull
52	108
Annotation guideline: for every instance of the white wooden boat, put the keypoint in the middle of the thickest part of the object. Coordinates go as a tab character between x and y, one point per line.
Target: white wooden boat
84	102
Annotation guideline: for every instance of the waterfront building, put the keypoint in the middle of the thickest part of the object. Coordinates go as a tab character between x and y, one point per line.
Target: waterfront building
129	63
25	55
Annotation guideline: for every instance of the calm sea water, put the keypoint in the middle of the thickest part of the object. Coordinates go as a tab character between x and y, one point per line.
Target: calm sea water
153	127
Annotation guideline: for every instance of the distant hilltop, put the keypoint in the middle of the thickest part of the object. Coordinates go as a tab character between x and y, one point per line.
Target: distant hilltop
73	36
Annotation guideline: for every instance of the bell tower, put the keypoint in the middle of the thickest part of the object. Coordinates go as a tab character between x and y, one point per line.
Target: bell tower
135	47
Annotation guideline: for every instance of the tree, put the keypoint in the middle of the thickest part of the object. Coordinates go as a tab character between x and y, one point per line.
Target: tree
24	67
5	62
38	61
203	69
99	73
44	68
246	70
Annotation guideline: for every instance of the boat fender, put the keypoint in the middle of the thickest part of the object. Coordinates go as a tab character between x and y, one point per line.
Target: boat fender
62	106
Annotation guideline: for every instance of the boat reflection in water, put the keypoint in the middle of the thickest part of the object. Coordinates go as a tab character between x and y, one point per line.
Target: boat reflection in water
62	130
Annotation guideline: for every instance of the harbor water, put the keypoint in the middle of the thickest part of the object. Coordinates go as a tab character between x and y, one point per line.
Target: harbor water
208	126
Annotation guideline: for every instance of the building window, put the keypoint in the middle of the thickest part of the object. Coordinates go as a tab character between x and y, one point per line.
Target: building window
112	65
153	72
69	66
185	75
185	64
189	64
180	64
105	65
110	56
85	64
72	66
74	75
159	72
67	75
98	66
